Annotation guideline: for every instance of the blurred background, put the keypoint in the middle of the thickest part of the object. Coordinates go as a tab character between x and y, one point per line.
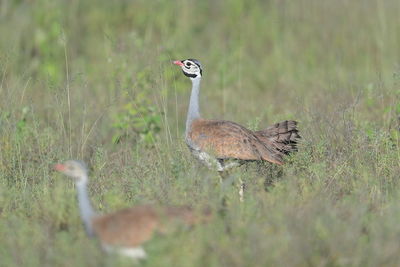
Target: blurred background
93	80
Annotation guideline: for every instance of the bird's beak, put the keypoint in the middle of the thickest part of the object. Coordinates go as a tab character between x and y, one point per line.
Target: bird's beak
59	167
178	62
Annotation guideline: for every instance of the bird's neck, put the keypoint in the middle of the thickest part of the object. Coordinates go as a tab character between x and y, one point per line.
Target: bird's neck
194	111
85	207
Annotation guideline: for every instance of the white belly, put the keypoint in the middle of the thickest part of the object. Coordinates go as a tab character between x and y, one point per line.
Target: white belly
134	252
212	162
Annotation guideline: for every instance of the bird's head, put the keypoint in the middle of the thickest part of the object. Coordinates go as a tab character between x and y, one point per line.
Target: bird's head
75	169
190	67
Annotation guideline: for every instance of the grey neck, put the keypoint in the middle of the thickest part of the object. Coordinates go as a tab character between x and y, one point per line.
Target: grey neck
85	207
193	112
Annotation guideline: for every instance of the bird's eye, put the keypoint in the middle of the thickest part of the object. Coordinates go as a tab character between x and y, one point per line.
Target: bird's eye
188	64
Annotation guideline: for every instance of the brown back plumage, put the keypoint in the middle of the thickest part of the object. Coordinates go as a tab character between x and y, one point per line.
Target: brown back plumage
225	139
132	226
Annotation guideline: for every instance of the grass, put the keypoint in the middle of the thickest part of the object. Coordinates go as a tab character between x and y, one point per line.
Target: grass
93	80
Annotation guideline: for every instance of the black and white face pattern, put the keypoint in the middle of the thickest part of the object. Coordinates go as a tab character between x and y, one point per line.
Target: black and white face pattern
190	67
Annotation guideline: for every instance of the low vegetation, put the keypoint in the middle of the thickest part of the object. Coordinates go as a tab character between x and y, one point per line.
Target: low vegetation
93	80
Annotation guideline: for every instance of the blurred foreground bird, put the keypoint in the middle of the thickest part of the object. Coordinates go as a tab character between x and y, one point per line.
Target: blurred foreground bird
125	231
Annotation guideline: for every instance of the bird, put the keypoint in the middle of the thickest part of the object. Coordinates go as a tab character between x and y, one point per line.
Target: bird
222	145
124	231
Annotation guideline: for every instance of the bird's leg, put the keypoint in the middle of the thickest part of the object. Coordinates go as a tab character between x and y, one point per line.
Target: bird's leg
222	176
225	178
242	187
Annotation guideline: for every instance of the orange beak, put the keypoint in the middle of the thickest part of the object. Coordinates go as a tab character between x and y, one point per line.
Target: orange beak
59	167
178	62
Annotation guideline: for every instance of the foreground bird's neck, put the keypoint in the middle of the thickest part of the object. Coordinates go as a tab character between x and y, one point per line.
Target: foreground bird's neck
193	112
85	207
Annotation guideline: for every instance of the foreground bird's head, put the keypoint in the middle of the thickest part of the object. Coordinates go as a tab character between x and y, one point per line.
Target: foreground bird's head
190	67
73	168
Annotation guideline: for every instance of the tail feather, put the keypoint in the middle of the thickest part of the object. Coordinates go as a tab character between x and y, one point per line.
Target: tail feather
283	136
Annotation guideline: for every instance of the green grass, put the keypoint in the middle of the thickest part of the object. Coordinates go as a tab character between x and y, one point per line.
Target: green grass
93	80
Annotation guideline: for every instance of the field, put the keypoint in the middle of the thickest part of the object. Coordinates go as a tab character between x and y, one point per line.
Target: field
93	80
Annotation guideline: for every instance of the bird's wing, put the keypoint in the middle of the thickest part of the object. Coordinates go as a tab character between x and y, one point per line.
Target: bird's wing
225	139
128	227
133	226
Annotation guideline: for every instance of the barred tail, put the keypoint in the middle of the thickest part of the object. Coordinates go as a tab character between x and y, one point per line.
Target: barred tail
283	136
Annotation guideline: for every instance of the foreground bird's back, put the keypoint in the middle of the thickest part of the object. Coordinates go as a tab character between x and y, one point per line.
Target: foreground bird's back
133	226
226	139
127	227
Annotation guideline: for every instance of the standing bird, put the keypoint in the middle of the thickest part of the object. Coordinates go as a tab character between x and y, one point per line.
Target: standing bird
124	231
221	144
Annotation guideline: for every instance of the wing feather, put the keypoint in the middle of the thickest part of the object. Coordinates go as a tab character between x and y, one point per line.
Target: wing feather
226	139
132	226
